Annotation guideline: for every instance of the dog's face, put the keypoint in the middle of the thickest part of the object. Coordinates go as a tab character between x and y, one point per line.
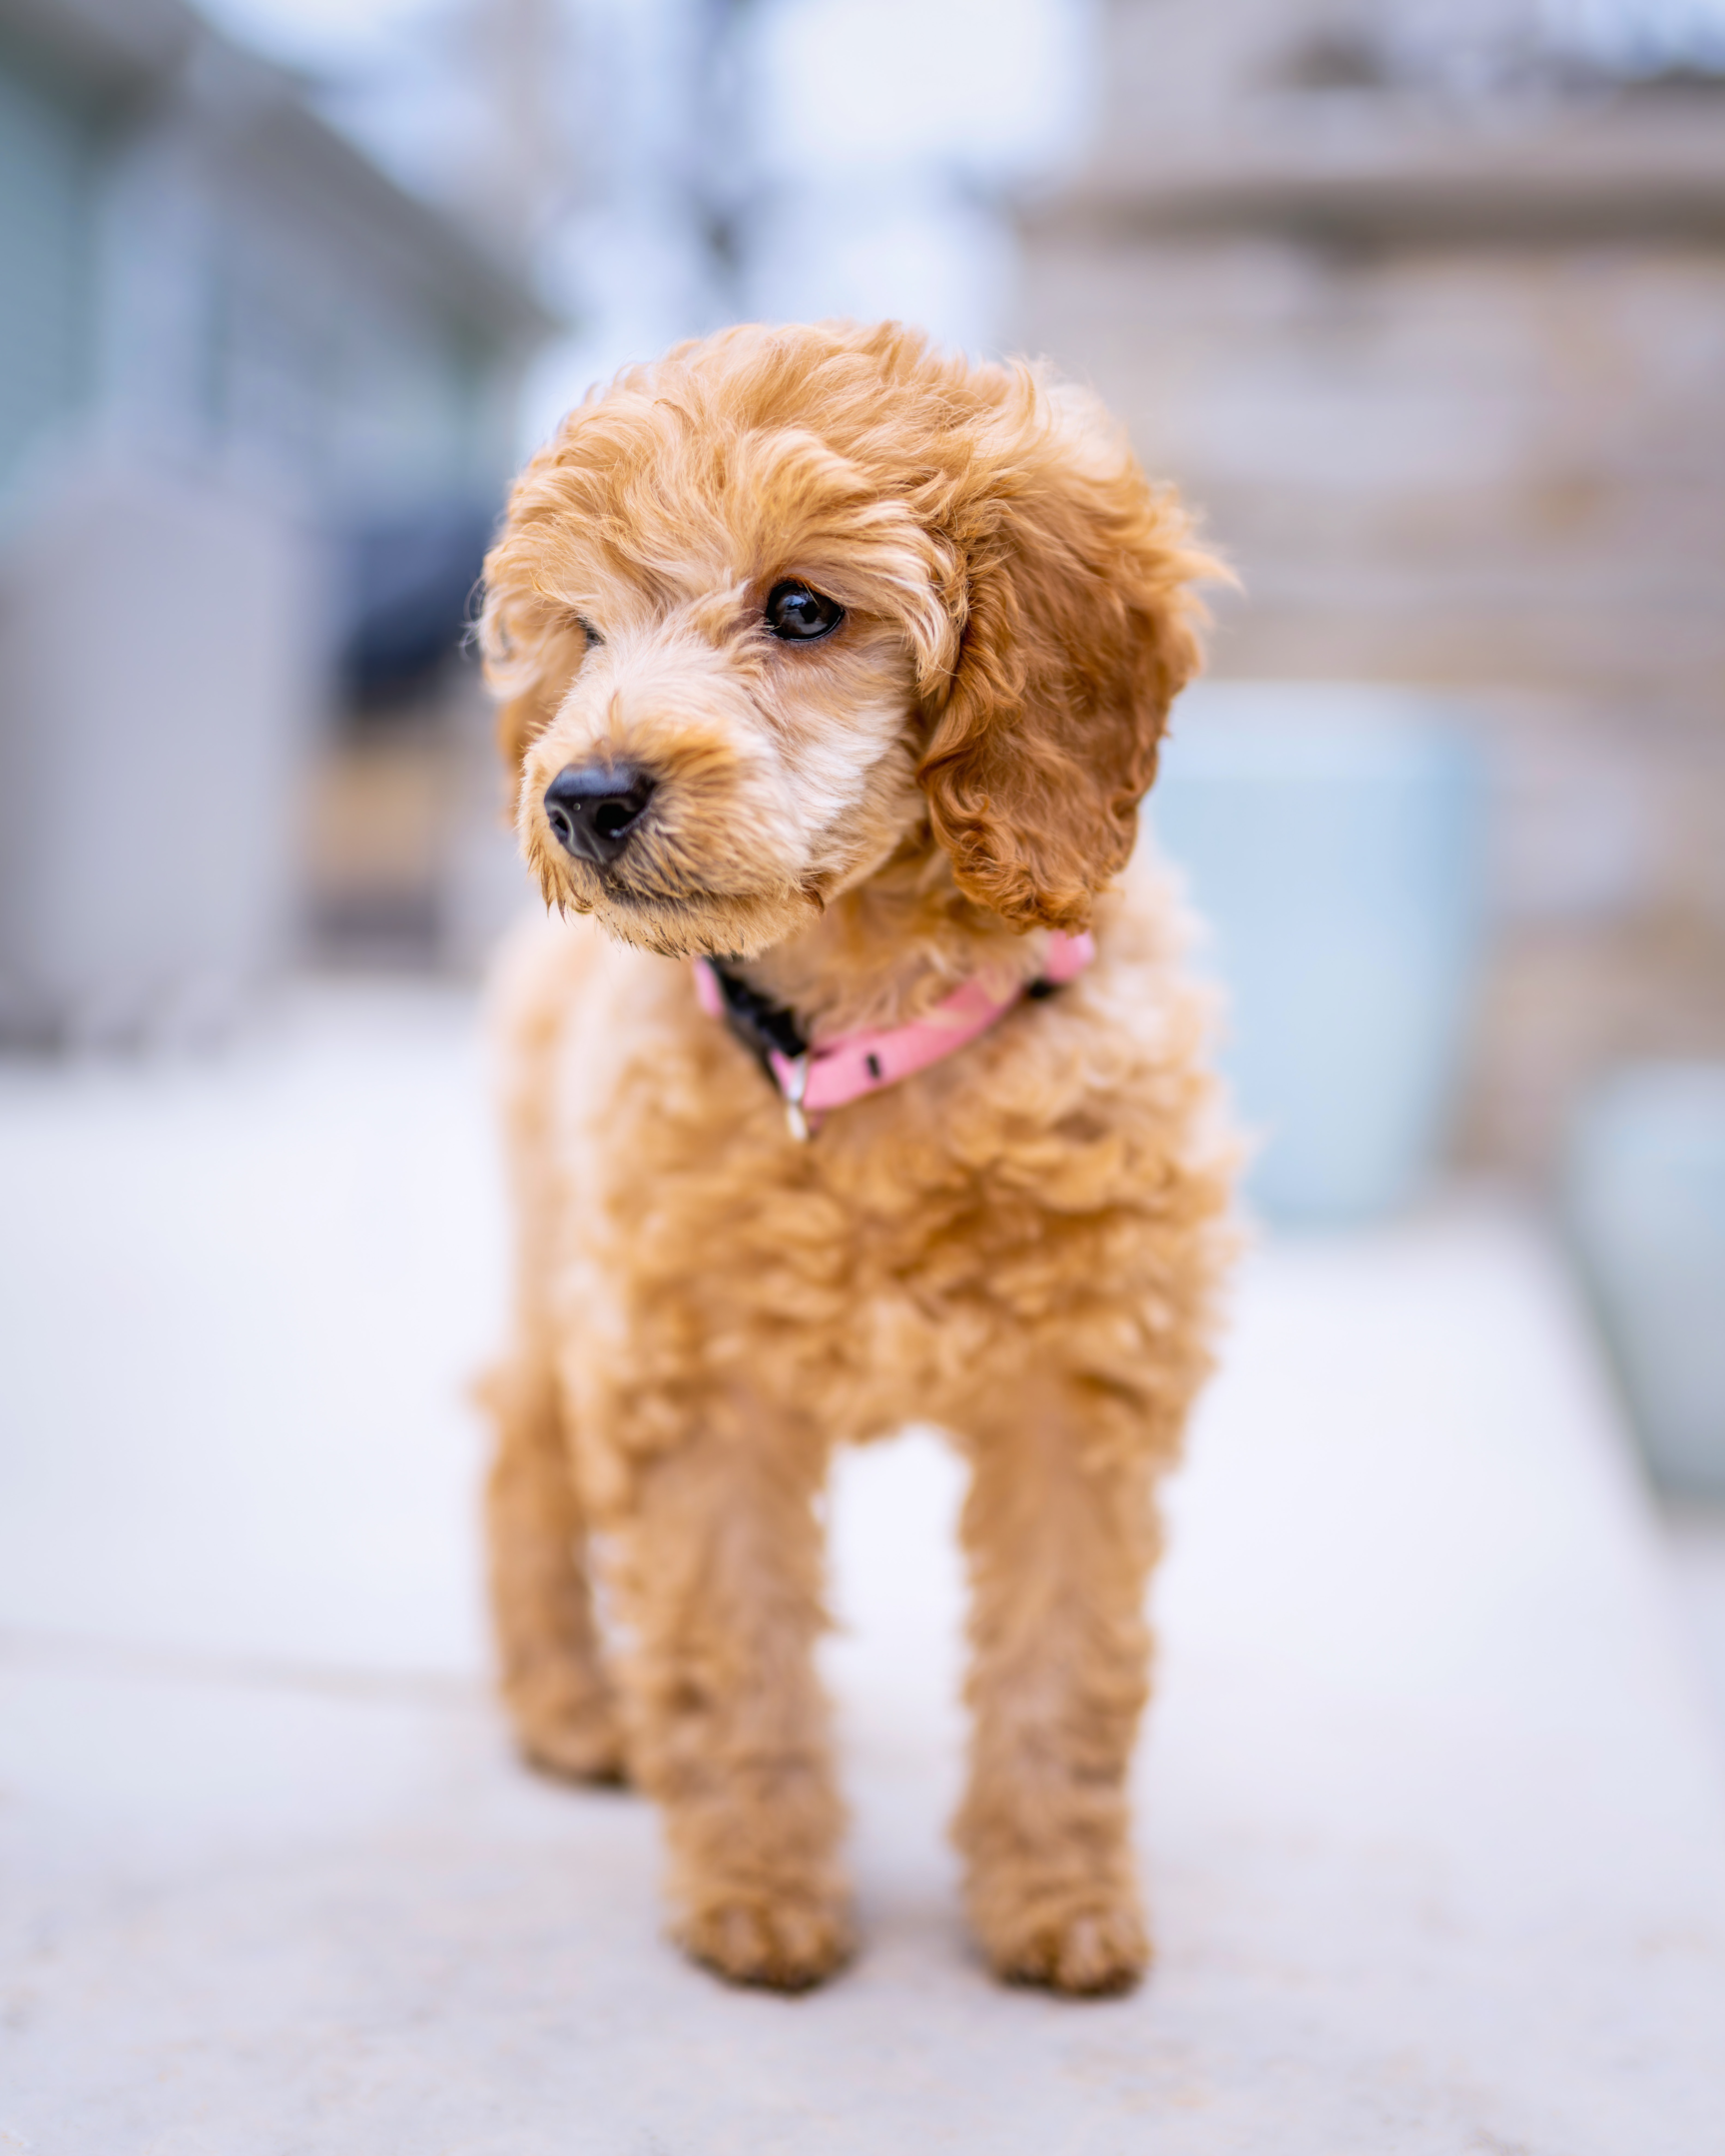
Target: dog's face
731	738
790	601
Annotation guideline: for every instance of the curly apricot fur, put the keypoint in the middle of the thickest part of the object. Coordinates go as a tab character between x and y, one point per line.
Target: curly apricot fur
1022	1244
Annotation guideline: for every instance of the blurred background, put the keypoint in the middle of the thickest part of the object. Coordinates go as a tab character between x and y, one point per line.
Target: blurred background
1422	302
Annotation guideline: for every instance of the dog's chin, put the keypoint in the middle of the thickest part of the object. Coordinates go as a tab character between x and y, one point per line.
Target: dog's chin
695	925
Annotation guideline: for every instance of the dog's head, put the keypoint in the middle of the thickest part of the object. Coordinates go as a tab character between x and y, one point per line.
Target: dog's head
789	601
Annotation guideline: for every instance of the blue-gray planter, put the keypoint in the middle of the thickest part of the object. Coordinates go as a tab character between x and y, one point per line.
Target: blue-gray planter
1333	840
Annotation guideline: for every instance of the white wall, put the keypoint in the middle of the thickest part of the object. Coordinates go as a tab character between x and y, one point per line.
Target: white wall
155	698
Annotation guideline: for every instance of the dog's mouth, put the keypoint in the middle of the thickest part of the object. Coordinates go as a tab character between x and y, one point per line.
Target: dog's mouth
645	887
684	862
659	905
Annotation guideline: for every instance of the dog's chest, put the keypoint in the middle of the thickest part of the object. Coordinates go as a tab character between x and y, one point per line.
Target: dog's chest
682	1170
872	1269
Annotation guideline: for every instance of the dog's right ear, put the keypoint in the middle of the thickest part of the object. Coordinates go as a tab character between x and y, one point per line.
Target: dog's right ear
521	721
531	655
530	644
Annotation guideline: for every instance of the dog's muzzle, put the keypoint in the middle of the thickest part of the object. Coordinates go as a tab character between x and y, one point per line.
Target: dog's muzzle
593	809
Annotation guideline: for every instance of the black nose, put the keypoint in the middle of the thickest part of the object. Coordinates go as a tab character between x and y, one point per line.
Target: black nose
593	807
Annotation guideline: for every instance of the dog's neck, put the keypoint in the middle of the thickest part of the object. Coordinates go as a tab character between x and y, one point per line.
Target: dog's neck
889	950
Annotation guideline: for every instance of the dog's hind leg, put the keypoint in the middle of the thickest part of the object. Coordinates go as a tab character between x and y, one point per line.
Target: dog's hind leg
728	1721
1060	1534
553	1678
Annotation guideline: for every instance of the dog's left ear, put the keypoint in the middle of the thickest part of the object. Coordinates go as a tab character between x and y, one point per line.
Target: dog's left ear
1077	627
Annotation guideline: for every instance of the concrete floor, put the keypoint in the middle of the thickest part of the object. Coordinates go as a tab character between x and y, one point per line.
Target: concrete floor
1433	1799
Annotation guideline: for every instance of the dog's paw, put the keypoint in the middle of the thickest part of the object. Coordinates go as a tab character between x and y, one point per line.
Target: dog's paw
570	1733
790	1943
1093	1952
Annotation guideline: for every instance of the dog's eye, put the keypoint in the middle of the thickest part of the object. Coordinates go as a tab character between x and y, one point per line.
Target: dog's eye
586	630
798	615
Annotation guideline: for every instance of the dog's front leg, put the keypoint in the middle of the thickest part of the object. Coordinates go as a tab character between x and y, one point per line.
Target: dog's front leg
553	1672
721	1587
1060	1535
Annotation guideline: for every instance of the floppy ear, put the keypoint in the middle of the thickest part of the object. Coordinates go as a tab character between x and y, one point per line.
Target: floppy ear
1077	629
530	643
530	659
520	719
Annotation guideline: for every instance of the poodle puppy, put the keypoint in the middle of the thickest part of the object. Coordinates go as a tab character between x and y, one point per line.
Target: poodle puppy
861	1089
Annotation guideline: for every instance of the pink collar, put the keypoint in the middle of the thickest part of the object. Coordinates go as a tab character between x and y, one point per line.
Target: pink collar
834	1072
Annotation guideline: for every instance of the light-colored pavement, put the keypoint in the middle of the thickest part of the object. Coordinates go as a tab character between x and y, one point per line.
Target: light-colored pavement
1433	1810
